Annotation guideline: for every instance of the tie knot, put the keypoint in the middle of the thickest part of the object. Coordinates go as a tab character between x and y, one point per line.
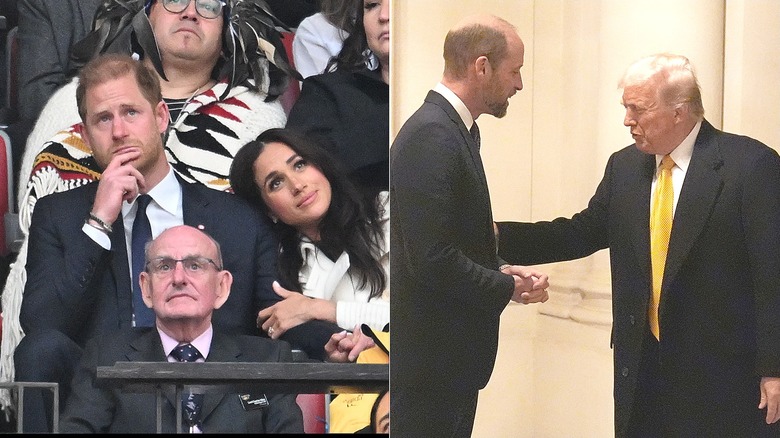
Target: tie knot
186	353
666	163
143	201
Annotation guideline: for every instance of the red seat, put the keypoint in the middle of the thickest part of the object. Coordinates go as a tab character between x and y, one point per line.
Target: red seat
11	65
290	95
6	189
313	408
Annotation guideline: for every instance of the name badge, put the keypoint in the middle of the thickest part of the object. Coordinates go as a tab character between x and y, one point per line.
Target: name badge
253	401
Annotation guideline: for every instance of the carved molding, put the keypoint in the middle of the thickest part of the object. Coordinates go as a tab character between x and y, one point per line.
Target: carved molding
580	290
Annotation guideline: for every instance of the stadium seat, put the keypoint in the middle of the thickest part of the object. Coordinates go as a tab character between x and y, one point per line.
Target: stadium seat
313	408
289	97
6	195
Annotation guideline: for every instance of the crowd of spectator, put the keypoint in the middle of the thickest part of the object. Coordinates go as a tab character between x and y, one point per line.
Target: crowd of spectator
157	111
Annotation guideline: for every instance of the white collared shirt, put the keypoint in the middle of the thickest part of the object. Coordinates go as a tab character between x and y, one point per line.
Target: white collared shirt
681	155
456	103
165	211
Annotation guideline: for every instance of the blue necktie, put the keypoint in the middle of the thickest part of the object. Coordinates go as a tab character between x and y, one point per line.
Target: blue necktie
142	233
191	403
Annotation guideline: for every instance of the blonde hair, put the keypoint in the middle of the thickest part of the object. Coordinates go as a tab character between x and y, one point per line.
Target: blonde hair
677	83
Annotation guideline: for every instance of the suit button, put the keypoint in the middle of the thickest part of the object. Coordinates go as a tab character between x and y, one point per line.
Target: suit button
632	319
624	372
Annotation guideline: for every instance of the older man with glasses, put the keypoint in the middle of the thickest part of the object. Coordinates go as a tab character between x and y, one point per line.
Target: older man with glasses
183	283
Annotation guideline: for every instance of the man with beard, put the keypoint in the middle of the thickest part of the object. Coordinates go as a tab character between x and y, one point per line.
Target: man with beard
444	249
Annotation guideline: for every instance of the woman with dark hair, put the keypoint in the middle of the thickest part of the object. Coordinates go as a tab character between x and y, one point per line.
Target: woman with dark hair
334	244
336	106
380	413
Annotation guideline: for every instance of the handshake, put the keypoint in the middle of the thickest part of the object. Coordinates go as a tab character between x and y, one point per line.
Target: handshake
530	285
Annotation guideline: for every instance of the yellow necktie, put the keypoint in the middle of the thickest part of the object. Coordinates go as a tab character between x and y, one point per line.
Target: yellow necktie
661	217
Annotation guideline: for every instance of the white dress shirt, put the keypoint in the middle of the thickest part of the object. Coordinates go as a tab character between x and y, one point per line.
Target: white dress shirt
165	211
681	155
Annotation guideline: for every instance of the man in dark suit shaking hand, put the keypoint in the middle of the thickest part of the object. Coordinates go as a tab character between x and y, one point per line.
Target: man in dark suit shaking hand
448	290
691	217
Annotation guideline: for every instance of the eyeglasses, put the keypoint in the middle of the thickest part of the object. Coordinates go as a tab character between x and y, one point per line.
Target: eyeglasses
208	9
195	265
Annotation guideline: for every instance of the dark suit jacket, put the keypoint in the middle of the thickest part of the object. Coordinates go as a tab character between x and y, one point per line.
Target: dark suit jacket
447	292
720	301
47	30
77	287
91	409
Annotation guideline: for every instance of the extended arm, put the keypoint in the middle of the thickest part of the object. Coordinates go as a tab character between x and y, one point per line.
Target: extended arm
447	254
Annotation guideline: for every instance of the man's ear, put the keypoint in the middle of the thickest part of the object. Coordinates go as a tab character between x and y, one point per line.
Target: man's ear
482	65
146	288
163	116
680	113
223	288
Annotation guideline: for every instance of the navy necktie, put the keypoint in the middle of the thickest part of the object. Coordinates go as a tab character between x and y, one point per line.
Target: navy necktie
142	233
475	133
191	403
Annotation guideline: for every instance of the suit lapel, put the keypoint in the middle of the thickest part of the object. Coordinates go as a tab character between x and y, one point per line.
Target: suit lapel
120	267
638	206
223	349
471	145
148	348
194	205
701	188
